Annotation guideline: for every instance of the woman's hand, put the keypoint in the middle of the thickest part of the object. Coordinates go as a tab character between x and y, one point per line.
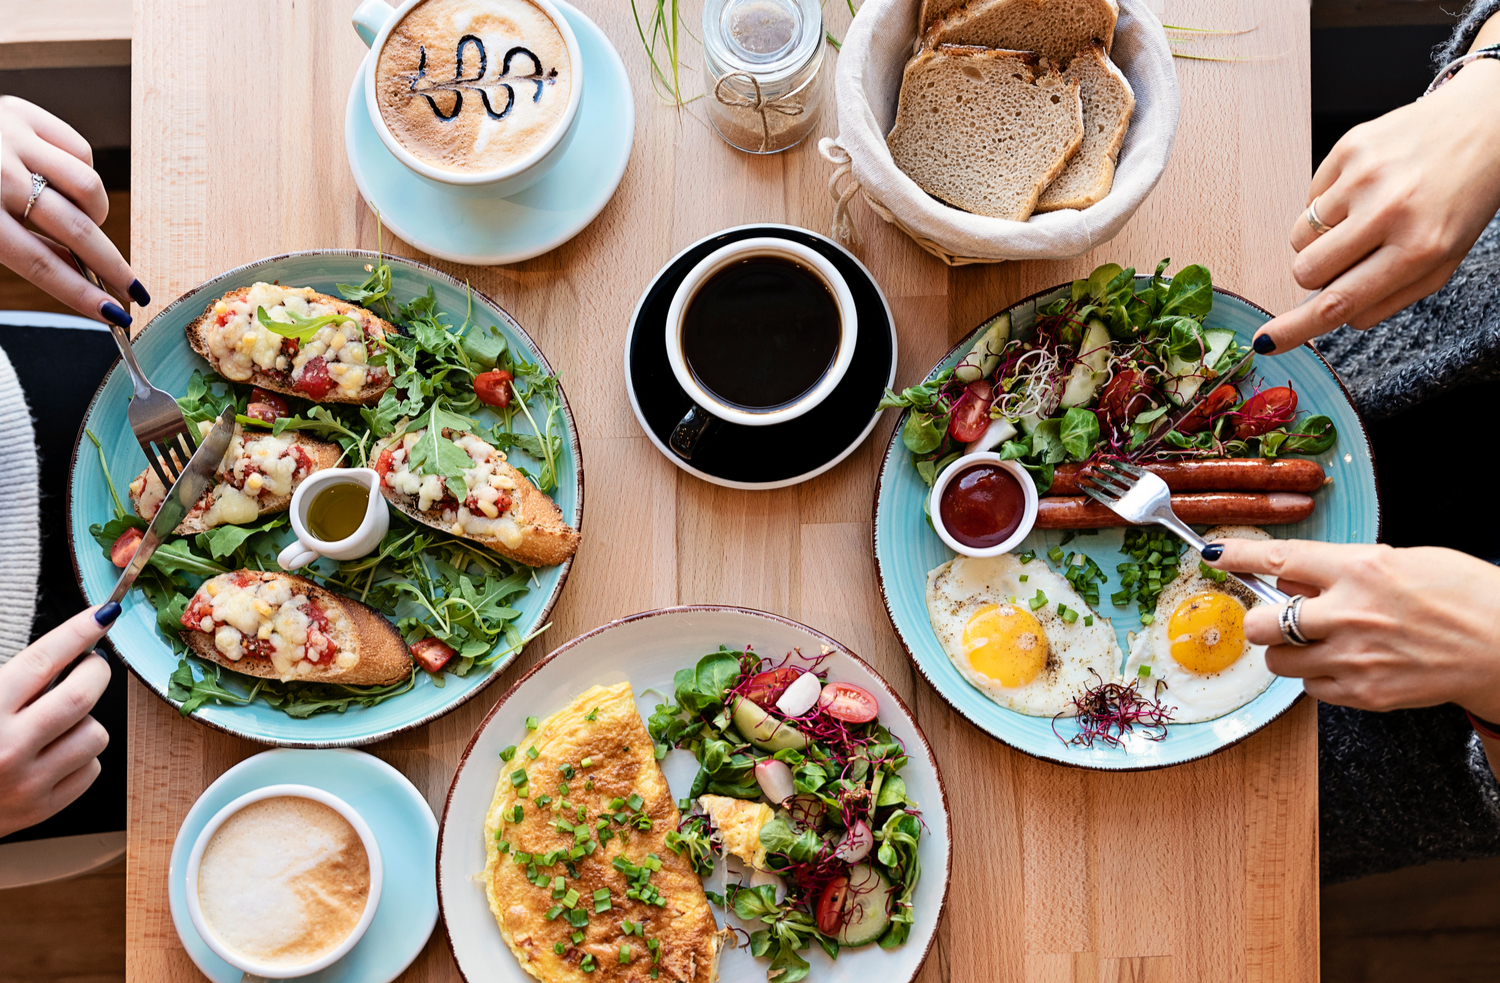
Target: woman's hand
1392	628
1407	195
67	213
49	745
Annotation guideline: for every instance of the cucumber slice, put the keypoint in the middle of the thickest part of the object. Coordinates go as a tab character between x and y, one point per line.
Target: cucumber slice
985	355
764	730
868	909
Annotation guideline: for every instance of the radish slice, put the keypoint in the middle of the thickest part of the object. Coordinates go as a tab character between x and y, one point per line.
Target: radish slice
998	432
856	844
766	877
775	780
799	697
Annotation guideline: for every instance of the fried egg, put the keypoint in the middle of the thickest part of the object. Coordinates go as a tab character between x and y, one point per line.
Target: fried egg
1196	642
1033	660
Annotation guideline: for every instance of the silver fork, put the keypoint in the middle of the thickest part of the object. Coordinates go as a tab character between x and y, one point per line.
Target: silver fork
154	415
1136	495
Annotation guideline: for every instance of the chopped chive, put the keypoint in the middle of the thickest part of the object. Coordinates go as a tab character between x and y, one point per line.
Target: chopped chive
502	845
532	723
518	778
1088	620
577	937
582	812
1038	600
570	898
553	912
563	788
592	715
586	763
533	753
624	954
567	770
1055	554
1027	556
635	802
516	814
542	801
1067	614
578	918
1023	578
660	751
586	964
559	948
507	753
588	785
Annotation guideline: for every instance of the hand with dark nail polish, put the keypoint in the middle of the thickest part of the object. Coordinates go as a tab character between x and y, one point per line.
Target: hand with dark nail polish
138	293
114	314
1264	344
108	612
1213	551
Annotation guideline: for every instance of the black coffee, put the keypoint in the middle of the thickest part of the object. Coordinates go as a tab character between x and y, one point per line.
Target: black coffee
761	332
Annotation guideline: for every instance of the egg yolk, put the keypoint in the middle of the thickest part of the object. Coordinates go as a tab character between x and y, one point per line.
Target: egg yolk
1207	632
1006	644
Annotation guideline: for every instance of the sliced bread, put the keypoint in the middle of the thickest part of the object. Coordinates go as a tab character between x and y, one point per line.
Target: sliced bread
1107	105
1053	28
933	11
985	130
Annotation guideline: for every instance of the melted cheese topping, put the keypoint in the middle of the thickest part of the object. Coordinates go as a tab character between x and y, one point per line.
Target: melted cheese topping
492	509
240	344
254	469
262	617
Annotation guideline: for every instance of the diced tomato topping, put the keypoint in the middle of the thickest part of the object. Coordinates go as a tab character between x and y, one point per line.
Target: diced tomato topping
317	616
258	647
494	387
385	462
124	547
315	380
431	653
199	608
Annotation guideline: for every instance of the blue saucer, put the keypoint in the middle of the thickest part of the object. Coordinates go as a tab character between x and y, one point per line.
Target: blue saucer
403	825
494	231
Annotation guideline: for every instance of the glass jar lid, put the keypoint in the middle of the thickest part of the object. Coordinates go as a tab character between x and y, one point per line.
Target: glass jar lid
770	39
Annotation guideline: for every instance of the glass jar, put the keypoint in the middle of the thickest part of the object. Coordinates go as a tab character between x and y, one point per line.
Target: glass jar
762	71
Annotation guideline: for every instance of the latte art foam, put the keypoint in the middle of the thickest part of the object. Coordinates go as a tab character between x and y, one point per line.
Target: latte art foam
473	85
283	881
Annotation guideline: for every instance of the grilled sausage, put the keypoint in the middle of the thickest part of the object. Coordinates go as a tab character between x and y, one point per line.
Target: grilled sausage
1217	474
1213	508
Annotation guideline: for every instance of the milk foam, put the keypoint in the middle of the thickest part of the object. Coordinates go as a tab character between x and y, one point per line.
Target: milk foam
448	118
284	880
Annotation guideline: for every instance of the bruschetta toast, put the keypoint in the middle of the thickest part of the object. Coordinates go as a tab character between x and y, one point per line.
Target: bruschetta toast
331	363
281	626
502	511
257	478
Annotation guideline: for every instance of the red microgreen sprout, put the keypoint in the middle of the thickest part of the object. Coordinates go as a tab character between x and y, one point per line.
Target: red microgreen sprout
1109	711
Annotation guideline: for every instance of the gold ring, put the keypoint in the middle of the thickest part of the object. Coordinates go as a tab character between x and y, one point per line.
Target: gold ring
38	185
1318	225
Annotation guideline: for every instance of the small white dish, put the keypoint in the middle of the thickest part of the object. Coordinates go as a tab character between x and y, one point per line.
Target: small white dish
958	467
362	542
490	230
372	902
373	21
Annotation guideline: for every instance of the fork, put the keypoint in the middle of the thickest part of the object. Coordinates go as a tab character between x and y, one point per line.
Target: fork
154	415
1139	496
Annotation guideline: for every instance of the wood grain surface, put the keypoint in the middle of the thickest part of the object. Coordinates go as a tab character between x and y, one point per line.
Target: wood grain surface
1207	871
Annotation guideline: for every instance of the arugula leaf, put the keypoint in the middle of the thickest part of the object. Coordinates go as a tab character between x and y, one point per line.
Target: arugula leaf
484	348
221	541
375	286
176	555
435	454
1079	432
298	328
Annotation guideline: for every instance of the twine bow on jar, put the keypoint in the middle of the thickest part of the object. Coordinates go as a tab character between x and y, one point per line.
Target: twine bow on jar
786	105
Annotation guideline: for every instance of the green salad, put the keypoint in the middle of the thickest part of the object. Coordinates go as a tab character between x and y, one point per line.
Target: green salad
432	585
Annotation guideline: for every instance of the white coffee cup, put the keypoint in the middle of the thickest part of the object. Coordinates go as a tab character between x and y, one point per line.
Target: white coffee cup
373	21
361	542
707	407
372	902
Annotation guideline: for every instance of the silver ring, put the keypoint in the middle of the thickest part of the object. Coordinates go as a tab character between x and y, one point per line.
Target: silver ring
38	185
1289	619
1318	225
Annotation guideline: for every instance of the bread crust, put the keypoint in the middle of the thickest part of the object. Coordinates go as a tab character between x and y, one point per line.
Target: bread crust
197	337
323	454
963	24
1106	155
383	655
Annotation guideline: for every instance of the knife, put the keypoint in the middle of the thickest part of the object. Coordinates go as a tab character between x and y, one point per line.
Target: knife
1170	423
181	497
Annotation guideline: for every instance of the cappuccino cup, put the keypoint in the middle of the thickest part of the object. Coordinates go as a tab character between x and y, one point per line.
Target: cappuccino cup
758	333
479	97
284	881
338	513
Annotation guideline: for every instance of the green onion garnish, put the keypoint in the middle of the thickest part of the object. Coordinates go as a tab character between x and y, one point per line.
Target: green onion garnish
507	753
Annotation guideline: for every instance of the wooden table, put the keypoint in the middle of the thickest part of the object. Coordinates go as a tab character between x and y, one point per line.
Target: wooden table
1204	872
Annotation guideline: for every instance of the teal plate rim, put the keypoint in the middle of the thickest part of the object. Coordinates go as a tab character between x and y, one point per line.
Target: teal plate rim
1065	755
422	270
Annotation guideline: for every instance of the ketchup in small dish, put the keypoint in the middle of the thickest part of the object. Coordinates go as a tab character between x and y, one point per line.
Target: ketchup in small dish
983	506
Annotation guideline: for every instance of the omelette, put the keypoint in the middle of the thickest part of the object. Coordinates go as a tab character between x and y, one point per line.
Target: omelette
579	876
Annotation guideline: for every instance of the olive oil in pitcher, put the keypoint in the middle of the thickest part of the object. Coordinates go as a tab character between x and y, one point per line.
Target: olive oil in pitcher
337	511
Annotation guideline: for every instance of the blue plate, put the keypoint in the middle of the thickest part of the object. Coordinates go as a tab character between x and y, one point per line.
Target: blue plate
906	548
489	231
163	352
403	825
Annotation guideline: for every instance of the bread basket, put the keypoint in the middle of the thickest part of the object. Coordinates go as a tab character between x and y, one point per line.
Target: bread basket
867	84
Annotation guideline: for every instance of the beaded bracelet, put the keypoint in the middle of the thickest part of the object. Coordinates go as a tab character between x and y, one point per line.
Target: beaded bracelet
1451	69
1483	727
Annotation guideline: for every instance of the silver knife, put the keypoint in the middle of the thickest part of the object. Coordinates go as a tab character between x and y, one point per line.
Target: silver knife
181	497
1172	419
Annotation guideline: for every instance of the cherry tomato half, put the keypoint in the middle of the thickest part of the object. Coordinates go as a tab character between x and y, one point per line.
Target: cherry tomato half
971	417
831	905
315	380
493	387
124	547
850	703
431	654
270	399
1204	414
1265	411
766	687
1127	395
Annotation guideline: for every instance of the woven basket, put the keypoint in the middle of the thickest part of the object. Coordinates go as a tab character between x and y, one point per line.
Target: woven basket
867	84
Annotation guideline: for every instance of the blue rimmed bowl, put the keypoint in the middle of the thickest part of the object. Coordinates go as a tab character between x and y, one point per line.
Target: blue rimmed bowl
906	548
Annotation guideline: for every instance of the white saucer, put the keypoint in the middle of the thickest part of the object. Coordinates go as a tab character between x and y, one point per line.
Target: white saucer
494	231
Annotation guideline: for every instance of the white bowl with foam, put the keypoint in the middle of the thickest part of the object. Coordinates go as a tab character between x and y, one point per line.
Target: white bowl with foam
372	899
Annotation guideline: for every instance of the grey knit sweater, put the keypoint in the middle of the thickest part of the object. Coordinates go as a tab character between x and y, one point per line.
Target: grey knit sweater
1413	786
